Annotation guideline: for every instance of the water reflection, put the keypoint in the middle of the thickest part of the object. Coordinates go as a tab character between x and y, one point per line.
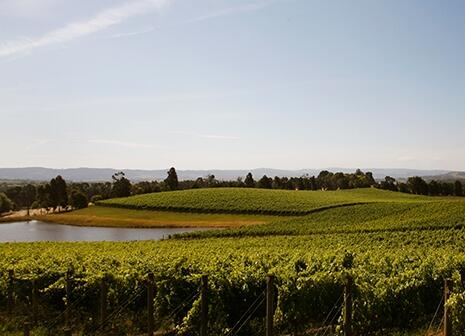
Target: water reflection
40	231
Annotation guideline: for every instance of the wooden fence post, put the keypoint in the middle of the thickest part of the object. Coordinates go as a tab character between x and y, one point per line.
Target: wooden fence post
150	297
27	329
348	307
447	313
269	305
68	298
204	306
103	299
11	291
35	294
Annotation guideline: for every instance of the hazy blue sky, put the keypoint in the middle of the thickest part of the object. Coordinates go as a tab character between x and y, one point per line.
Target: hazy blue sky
232	83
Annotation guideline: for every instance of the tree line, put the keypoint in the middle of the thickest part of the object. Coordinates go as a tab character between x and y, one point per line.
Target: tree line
418	186
58	194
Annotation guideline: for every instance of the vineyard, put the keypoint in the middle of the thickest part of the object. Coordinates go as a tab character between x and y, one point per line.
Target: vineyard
398	249
257	201
372	217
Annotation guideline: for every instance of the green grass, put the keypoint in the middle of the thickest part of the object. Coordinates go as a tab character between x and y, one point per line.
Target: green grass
117	217
257	201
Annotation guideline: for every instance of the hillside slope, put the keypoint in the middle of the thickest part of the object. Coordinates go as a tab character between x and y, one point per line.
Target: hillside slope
257	201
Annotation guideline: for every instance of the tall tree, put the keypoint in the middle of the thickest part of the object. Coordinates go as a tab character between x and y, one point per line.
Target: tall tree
43	196
458	188
434	188
249	181
28	196
5	203
121	185
389	183
172	179
78	200
58	192
417	185
14	194
265	182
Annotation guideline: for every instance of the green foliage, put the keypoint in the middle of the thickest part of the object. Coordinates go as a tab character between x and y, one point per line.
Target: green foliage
96	198
398	277
172	179
58	192
265	182
5	203
121	186
371	217
257	201
78	200
249	182
397	247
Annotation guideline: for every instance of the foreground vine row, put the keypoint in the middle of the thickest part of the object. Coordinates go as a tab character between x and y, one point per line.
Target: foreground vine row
398	278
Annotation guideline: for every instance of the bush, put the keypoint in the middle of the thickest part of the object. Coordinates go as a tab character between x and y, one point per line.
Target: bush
78	200
5	203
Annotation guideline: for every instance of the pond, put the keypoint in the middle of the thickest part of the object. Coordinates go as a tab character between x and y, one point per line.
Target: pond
34	231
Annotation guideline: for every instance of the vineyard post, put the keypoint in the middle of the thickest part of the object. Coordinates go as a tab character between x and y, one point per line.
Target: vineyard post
348	307
35	294
103	300
27	328
204	306
447	312
269	305
11	300
68	298
150	296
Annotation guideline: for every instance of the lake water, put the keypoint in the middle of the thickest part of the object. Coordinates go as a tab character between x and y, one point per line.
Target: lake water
33	231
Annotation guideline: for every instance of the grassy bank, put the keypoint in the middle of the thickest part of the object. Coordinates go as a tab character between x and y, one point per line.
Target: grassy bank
116	217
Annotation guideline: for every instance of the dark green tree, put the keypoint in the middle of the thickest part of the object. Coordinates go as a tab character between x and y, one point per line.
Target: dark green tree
417	185
249	181
58	192
28	196
434	188
5	203
78	200
121	185
265	182
389	183
447	189
172	179
14	195
458	188
370	180
403	187
341	181
43	196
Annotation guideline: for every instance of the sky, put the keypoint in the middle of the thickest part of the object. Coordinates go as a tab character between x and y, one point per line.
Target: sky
232	84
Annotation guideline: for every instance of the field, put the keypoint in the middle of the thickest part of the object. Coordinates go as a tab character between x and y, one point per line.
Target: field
398	249
372	217
118	217
257	201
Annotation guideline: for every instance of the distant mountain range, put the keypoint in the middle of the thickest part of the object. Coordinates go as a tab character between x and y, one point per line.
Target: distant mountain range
104	174
448	177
